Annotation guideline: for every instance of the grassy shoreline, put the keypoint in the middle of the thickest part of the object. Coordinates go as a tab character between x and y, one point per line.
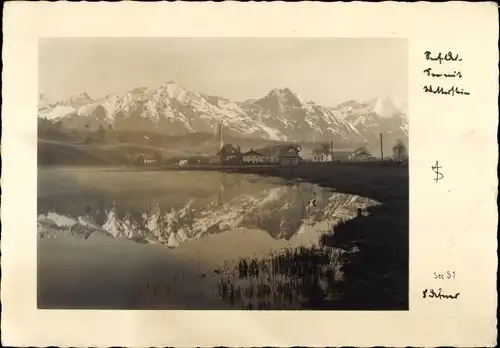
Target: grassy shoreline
376	278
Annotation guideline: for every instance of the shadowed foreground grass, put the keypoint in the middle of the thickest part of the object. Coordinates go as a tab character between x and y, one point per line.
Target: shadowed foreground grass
286	280
361	265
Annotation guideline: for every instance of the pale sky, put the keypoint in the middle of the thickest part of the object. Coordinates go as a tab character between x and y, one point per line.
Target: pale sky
327	71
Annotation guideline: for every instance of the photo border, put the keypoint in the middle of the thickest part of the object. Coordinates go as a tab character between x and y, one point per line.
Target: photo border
453	223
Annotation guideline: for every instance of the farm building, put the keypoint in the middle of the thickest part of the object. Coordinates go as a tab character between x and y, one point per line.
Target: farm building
253	157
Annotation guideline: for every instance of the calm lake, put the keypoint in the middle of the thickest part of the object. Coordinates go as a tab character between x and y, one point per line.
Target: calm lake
123	239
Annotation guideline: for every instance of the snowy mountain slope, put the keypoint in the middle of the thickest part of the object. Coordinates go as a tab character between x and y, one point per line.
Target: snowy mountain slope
56	112
301	121
172	110
375	116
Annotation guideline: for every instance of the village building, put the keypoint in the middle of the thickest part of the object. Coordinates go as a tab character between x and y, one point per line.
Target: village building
268	154
285	155
318	155
361	154
144	158
228	154
253	157
289	157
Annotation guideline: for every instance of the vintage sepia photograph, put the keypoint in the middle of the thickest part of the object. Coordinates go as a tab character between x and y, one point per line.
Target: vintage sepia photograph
223	174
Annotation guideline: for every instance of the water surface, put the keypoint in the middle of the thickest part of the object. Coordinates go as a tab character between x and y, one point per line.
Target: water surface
180	240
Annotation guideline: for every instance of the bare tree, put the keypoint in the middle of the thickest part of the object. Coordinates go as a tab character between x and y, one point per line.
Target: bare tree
399	151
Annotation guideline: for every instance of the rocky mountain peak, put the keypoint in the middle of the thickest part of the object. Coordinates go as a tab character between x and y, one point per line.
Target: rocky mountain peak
82	97
280	115
79	100
384	107
285	96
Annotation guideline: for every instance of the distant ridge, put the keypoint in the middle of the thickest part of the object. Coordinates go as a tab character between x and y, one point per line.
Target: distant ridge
280	115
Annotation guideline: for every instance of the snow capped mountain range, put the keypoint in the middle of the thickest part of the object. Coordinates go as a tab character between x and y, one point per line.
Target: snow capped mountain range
280	115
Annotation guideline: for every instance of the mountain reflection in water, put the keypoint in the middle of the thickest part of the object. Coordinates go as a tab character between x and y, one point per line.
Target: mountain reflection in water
256	240
232	201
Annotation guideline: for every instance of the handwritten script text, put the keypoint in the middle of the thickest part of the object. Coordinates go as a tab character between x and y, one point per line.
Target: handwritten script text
431	293
440	57
454	90
443	74
430	73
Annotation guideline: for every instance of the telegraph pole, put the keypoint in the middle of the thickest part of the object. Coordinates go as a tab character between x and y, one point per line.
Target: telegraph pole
381	147
331	150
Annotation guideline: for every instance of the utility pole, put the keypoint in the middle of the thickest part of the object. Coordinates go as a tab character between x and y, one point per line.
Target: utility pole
381	147
331	150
